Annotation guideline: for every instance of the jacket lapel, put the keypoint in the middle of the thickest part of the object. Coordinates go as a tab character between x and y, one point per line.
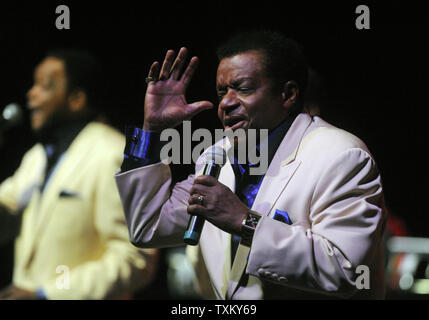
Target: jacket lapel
66	167
282	168
216	244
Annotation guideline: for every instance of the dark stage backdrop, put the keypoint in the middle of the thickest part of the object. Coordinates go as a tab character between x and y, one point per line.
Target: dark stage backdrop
372	77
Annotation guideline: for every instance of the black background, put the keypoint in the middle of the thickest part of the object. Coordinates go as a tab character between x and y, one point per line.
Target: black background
373	77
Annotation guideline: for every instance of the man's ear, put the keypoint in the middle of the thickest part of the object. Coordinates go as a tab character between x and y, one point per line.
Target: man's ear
290	94
77	100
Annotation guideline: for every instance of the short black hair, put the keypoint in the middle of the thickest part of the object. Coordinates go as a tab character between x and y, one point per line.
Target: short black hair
283	57
83	73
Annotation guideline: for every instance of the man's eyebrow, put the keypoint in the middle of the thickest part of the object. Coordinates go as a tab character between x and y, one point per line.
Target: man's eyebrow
240	81
234	83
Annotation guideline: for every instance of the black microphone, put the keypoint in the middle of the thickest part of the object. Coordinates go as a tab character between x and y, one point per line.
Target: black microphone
11	116
215	158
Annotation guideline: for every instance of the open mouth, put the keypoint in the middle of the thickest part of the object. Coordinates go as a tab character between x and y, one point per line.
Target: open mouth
234	123
34	110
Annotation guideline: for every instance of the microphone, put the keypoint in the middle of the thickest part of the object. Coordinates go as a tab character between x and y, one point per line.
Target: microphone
214	158
11	116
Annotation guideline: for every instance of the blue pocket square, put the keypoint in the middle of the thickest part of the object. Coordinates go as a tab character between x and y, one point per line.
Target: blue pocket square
69	194
282	216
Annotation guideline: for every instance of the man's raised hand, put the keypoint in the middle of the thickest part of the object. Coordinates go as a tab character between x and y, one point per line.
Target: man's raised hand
165	102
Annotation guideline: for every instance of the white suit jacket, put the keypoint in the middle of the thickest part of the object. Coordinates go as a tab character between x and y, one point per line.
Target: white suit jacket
328	183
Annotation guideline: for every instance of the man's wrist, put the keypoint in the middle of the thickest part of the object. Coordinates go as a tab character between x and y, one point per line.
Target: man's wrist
142	148
140	143
151	128
248	227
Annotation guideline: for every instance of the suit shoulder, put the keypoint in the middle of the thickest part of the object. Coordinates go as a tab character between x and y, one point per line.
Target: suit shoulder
102	129
105	136
35	154
102	144
328	142
332	138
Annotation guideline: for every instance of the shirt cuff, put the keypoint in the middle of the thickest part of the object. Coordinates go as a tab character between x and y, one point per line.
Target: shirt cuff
142	148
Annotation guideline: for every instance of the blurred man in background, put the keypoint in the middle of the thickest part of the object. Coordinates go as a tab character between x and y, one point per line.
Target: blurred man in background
62	204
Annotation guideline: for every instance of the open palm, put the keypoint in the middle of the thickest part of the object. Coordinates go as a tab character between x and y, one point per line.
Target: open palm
165	102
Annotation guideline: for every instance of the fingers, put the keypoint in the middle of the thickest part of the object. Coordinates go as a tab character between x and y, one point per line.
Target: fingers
194	108
172	69
199	190
203	186
177	67
195	199
205	180
166	66
197	206
154	70
189	72
197	209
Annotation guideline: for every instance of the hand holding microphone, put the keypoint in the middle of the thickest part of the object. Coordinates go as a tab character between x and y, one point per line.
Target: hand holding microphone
214	158
213	201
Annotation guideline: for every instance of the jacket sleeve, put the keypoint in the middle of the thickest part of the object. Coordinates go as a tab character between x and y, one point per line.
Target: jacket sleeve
346	223
155	211
121	267
9	217
15	193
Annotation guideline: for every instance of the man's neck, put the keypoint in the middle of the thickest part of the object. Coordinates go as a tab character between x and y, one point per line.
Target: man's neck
60	137
275	137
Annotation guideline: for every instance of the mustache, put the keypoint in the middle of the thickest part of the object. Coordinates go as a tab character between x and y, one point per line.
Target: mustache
230	120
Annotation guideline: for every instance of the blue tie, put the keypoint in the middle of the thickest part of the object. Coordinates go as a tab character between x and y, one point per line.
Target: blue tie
247	188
